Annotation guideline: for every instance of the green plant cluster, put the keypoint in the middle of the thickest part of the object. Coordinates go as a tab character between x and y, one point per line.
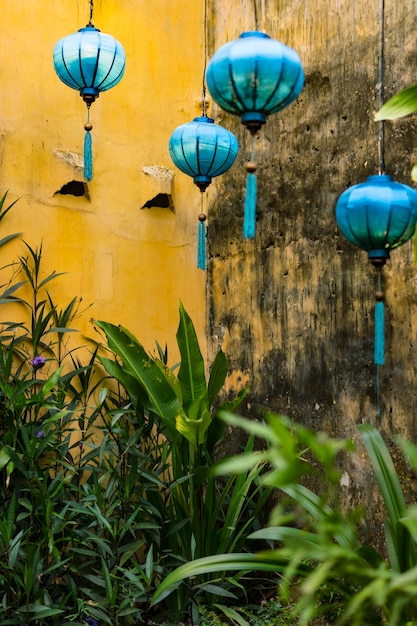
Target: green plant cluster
114	511
105	468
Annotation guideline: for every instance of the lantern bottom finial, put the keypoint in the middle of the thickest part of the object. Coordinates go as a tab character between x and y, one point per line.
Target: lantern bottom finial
253	120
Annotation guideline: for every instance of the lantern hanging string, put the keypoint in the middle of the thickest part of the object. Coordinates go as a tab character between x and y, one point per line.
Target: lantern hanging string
202	228
91	11
204	90
256	15
380	86
255	11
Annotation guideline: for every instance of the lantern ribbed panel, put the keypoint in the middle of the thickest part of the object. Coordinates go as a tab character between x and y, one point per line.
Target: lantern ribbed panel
202	149
89	61
377	215
254	76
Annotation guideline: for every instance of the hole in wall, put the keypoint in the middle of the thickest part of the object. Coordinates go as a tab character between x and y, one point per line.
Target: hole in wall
74	188
161	200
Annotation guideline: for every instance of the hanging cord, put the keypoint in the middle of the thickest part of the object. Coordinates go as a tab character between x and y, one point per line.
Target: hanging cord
255	11
202	228
205	46
91	11
380	87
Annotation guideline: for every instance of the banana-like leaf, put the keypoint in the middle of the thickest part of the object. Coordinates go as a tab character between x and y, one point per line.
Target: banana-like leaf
137	363
191	374
218	375
194	430
129	382
403	103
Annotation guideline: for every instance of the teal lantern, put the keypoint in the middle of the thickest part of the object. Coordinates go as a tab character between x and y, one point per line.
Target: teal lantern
378	216
253	77
90	62
202	149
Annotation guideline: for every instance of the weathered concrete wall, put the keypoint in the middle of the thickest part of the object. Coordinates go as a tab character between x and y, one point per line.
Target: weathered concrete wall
294	307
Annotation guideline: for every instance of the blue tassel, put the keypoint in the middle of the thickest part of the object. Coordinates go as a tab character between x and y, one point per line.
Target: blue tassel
250	207
88	156
201	253
379	347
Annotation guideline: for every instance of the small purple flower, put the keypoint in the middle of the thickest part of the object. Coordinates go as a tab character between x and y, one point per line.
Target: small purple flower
91	621
38	362
39	433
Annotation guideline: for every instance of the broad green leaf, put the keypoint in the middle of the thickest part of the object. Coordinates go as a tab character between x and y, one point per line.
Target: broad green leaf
137	363
194	430
191	373
218	373
129	382
403	103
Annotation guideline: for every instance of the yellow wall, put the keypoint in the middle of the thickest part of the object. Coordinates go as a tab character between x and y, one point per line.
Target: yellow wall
134	265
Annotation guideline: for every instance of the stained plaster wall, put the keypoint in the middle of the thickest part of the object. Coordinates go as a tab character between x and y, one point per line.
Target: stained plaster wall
293	308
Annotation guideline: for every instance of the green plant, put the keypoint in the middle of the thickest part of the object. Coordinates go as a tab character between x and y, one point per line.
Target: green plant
198	513
401	104
320	547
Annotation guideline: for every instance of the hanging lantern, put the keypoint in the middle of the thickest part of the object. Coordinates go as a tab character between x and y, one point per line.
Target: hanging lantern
91	62
253	77
378	216
202	149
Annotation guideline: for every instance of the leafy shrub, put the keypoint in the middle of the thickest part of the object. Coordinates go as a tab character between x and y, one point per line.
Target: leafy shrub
316	544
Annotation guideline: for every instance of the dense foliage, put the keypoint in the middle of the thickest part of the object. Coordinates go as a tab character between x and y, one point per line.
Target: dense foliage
113	511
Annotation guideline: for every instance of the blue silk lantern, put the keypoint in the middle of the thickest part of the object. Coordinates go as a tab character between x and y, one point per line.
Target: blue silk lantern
378	216
202	149
254	76
90	62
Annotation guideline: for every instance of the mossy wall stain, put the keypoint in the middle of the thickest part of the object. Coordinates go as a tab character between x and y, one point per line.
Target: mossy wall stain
296	303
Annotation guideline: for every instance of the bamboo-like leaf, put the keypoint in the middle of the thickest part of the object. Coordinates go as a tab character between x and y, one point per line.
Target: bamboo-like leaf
4	240
270	561
401	104
392	495
321	511
232	614
50	383
191	374
385	472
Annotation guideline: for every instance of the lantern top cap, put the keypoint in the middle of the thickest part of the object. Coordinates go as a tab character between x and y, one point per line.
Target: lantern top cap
88	27
254	33
380	177
203	118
